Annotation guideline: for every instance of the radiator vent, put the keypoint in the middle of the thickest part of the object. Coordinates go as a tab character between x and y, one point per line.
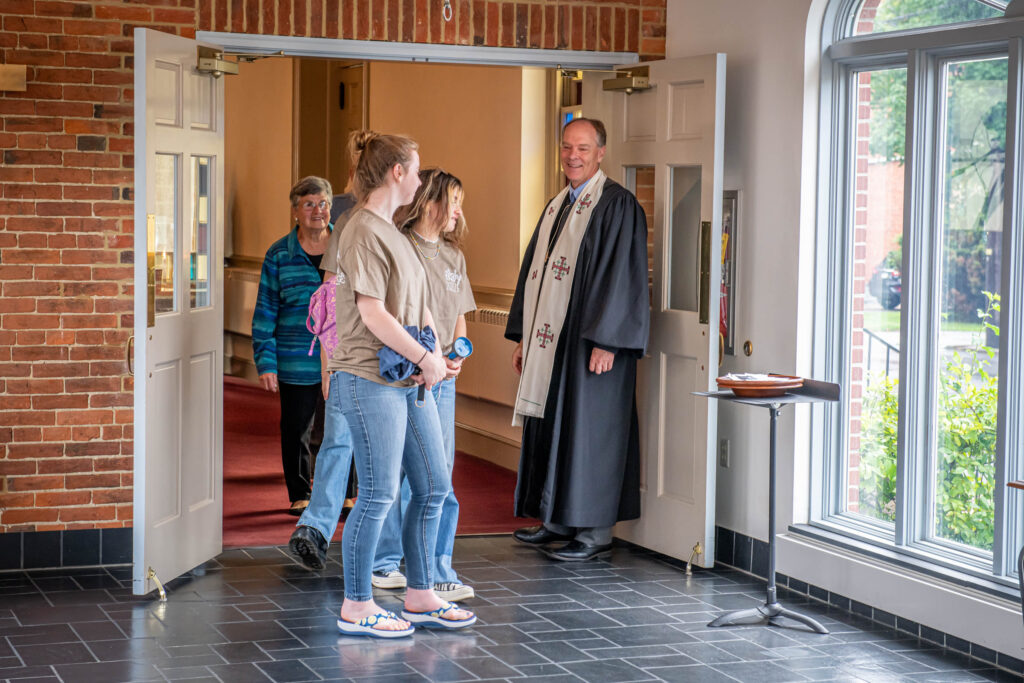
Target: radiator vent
488	316
242	275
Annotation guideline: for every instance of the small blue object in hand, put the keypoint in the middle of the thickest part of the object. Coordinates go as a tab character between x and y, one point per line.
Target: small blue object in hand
461	348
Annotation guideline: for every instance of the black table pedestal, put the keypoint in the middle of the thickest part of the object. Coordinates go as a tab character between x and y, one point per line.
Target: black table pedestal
771	610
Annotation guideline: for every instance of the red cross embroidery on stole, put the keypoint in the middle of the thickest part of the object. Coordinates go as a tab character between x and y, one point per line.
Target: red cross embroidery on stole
584	203
559	268
545	336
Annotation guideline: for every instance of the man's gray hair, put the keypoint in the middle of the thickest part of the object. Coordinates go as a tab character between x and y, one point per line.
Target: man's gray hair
602	134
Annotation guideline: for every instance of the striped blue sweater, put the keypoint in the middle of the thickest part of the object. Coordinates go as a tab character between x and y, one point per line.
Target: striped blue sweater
280	340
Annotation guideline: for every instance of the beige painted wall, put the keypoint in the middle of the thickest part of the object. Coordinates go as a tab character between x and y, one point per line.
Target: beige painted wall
258	157
455	113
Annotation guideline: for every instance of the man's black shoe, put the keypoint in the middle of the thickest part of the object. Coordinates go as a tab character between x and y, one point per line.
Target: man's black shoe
537	535
577	551
309	546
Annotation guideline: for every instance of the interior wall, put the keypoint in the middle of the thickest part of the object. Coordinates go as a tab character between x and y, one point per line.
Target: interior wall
258	155
763	133
311	114
770	157
329	105
454	113
537	147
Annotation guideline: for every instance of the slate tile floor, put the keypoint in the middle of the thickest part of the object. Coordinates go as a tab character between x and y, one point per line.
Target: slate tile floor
255	615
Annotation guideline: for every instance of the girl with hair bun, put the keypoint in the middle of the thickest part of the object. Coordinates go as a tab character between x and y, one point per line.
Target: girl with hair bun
334	468
381	288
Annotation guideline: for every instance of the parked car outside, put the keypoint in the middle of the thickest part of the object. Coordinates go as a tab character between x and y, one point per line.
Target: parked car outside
886	285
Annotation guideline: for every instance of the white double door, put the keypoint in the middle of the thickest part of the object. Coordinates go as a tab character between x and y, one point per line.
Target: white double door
179	310
667	140
666	145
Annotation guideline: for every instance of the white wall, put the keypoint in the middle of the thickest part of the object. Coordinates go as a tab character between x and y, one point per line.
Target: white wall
770	157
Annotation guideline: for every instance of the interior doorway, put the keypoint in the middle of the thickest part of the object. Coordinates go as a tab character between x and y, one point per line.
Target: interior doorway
285	118
178	94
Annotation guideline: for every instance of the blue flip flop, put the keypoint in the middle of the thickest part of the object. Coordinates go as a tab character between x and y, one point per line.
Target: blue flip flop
365	627
435	618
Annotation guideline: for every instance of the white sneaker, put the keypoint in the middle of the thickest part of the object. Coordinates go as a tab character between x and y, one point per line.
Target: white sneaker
391	579
453	592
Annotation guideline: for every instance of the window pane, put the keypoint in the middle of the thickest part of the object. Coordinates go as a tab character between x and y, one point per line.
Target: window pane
683	270
879	112
640	181
879	16
974	139
163	241
199	253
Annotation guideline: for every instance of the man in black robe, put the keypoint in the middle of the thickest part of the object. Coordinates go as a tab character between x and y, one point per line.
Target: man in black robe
579	466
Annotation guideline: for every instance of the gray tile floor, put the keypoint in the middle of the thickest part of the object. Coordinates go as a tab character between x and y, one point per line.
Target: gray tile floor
255	615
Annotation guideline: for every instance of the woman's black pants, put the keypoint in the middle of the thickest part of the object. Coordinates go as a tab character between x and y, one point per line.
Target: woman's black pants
302	430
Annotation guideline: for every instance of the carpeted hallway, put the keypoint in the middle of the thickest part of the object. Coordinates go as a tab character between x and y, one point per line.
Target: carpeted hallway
254	494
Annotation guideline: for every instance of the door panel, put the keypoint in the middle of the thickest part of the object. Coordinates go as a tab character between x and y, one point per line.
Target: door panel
179	258
676	128
199	469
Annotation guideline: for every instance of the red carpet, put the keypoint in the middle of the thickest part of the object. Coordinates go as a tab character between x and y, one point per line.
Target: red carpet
255	498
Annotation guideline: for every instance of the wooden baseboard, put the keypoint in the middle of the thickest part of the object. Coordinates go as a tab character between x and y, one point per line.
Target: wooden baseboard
491	447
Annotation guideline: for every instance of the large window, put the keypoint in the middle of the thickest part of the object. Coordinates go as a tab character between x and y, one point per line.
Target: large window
917	314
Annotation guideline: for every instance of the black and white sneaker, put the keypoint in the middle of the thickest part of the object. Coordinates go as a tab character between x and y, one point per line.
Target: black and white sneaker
453	592
391	579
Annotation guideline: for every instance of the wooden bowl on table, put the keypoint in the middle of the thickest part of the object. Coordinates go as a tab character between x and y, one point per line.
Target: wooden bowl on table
775	385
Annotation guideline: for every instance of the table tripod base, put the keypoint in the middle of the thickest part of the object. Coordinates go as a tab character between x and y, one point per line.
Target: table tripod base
766	613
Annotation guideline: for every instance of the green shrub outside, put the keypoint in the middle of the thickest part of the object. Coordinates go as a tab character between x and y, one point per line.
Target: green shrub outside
967	400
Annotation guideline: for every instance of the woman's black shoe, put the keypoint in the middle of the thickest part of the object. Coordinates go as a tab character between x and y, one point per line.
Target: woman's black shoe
309	546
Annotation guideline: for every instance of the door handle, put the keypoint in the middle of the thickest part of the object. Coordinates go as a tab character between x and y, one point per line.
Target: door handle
704	300
128	356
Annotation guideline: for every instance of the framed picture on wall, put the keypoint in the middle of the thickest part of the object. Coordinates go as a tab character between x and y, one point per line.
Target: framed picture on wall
727	301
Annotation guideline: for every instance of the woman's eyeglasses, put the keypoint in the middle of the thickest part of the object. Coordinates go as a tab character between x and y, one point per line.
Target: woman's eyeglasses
309	206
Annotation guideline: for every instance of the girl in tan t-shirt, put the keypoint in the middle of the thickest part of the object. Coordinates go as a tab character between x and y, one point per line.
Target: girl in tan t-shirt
434	225
381	288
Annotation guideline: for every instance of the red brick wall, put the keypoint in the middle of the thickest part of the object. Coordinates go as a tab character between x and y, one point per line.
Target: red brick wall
66	208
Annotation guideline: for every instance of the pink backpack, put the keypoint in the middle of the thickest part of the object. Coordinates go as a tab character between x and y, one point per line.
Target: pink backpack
321	319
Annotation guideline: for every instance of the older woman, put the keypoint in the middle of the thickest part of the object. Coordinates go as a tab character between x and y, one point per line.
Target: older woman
280	340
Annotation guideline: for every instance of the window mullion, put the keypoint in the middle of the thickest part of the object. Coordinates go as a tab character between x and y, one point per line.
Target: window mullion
919	218
831	360
1009	505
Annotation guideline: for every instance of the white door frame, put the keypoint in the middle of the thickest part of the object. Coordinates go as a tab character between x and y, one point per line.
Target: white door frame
378	50
366	50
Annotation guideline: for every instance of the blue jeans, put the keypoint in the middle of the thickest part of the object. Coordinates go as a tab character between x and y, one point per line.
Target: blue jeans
332	468
390	433
389	548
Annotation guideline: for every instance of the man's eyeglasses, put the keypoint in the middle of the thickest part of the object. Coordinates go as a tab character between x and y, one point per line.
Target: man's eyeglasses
309	206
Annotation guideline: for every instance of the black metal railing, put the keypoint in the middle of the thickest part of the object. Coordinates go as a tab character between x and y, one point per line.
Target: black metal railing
890	351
